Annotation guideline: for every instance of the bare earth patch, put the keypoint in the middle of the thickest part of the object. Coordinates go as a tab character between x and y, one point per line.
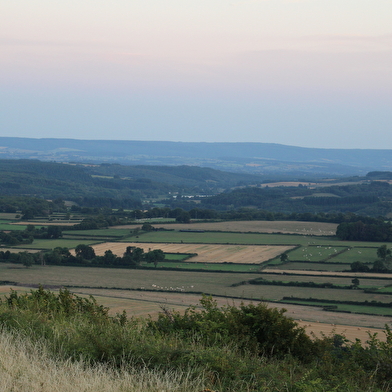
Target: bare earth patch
206	253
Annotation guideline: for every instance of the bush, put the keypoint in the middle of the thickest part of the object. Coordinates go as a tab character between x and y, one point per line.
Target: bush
255	328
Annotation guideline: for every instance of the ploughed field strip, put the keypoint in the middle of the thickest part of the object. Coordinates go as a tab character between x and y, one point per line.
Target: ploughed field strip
206	253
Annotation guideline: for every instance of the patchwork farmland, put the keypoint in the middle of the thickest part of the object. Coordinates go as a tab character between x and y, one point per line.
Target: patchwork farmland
235	261
206	253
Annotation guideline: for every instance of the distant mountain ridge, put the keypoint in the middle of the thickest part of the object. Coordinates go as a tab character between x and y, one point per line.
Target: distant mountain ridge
256	158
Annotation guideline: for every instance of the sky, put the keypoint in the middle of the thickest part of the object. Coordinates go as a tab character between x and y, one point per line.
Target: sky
307	73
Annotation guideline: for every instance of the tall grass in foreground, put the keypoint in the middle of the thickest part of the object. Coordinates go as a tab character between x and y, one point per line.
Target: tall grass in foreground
62	342
28	366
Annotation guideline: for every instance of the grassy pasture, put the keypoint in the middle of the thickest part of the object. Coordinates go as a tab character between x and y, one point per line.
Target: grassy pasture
51	244
286	227
206	266
297	265
315	253
385	290
6	226
365	255
348	308
115	233
336	280
249	239
185	282
175	257
8	215
171	281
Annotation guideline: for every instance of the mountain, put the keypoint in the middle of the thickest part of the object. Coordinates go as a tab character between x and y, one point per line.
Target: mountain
257	158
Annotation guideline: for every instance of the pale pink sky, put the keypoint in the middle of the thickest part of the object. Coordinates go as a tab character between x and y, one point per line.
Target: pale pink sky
302	72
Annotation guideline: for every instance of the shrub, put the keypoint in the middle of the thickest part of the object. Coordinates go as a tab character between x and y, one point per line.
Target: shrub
255	328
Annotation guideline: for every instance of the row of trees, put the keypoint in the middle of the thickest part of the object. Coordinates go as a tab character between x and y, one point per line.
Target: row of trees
378	231
28	235
85	255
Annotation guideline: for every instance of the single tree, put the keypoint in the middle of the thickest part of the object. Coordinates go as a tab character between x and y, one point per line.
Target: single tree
147	227
383	252
154	256
284	257
85	252
355	282
26	259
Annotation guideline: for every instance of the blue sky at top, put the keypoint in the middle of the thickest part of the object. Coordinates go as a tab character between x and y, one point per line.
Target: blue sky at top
299	72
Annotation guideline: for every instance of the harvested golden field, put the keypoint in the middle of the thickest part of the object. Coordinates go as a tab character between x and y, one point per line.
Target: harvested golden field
286	227
206	253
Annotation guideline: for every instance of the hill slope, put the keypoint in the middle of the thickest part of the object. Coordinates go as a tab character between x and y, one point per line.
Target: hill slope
240	157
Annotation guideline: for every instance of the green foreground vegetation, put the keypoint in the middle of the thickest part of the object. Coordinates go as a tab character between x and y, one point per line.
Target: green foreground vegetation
226	349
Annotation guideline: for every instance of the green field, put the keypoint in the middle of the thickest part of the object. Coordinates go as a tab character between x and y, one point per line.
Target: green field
51	244
249	239
312	266
343	281
315	253
363	254
8	215
6	226
381	311
385	290
207	266
175	256
214	283
109	233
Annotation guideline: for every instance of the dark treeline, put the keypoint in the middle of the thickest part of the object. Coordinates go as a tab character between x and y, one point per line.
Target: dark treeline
369	199
378	231
84	256
27	236
30	206
105	217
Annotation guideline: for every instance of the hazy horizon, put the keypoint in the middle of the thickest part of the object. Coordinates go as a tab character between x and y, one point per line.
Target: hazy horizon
294	72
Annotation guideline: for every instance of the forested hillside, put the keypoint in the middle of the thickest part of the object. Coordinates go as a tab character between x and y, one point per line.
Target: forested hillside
124	186
372	199
188	187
